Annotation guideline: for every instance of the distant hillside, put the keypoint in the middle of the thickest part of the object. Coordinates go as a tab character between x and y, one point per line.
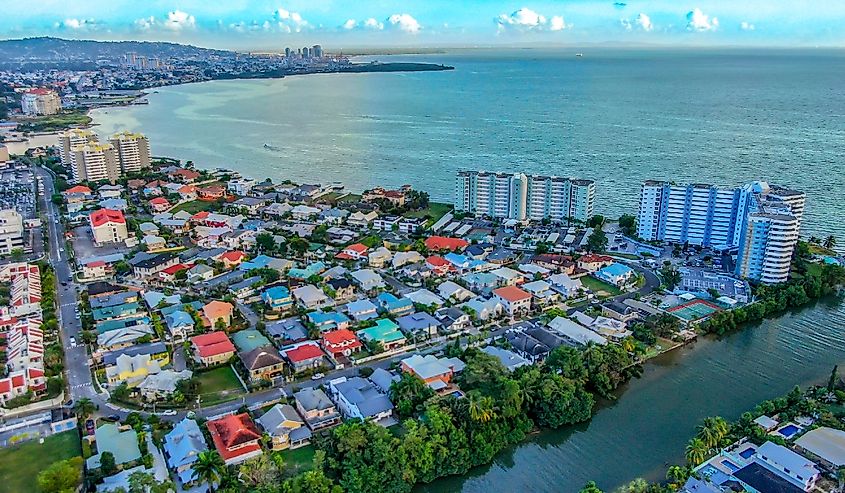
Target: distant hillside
49	51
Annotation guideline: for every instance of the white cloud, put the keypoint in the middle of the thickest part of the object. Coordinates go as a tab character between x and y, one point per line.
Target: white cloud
747	26
641	21
77	24
145	23
404	22
370	24
526	19
178	20
699	21
289	21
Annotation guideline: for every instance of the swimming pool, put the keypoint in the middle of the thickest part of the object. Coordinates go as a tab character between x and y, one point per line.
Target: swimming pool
789	430
730	465
747	453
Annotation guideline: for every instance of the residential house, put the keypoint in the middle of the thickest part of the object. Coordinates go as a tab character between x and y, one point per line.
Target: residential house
163	384
509	359
180	324
212	348
97	269
356	251
484	309
306	356
379	257
593	262
278	298
211	192
154	243
123	445
361	310
235	437
435	372
619	311
361	219
439	265
317	409
383	379
575	332
420	325
508	277
263	363
325	321
159	204
404	258
341	342
425	297
151	266
359	398
394	306
343	289
385	332
108	226
566	286
454	292
216	311
199	273
438	243
541	291
131	369
310	297
386	223
481	282
617	274
181	447
367	279
287	330
232	259
244	290
516	301
286	428
453	319
304	212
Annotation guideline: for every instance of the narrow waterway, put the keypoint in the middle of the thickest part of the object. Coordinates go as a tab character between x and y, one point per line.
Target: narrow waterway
647	427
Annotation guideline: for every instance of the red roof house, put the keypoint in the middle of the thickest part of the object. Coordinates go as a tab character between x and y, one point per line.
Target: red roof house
232	258
437	243
211	192
159	204
212	348
104	216
341	342
184	175
78	189
305	356
235	437
355	251
438	264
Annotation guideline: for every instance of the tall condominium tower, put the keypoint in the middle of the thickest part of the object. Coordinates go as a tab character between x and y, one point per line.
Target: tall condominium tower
133	151
726	219
95	162
71	138
520	196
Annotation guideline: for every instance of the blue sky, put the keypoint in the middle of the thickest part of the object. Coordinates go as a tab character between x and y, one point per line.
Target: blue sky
262	24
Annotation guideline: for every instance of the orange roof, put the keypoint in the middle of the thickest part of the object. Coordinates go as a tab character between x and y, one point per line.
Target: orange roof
96	263
217	309
159	200
213	344
39	91
187	189
103	216
511	293
437	261
445	243
185	173
591	258
232	435
233	256
339	336
200	215
357	247
77	189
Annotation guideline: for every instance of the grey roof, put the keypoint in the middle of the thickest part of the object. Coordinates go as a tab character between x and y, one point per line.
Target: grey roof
301	433
150	348
246	283
227	278
417	321
365	395
272	420
449	315
310	398
289	329
383	379
509	359
112	299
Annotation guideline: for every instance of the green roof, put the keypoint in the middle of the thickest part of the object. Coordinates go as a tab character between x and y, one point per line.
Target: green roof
123	444
249	339
385	330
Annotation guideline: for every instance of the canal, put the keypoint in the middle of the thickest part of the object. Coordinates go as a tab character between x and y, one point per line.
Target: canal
646	429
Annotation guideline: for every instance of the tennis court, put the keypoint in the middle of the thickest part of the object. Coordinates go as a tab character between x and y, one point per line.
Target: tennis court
694	310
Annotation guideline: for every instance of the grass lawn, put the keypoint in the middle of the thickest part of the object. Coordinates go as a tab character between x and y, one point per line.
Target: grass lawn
299	460
219	385
20	465
630	256
597	286
194	206
56	122
434	211
350	198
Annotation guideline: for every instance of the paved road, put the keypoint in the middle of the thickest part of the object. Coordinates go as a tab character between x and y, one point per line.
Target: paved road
78	373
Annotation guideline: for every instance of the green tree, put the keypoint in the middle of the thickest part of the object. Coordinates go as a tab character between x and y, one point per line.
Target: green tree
259	472
834	376
408	395
265	243
84	407
311	482
209	468
107	464
567	362
628	225
830	242
61	477
671	276
597	241
591	488
696	452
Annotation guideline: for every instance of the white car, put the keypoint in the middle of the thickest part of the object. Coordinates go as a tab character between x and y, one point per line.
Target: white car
72	341
317	376
169	412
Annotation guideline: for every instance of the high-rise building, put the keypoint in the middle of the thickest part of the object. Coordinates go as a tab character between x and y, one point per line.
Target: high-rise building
317	51
287	52
133	150
11	231
306	52
727	219
71	138
95	162
520	196
40	102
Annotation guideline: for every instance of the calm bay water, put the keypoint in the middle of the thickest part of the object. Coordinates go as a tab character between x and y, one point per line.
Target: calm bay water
618	117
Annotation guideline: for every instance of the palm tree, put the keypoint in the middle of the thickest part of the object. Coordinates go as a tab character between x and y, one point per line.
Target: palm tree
480	408
720	426
830	242
814	240
678	475
707	436
696	451
84	407
209	468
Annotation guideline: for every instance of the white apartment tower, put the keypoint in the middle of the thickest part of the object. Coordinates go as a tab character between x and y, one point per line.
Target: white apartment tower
40	102
133	151
519	196
70	139
95	162
760	221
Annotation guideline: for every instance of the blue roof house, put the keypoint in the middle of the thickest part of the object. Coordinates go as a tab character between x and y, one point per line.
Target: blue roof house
182	446
398	307
616	274
278	298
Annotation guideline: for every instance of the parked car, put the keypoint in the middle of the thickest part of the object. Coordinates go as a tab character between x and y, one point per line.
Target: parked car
317	376
112	418
169	412
89	426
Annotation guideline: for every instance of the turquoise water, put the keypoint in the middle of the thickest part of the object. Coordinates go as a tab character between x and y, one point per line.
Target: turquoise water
618	117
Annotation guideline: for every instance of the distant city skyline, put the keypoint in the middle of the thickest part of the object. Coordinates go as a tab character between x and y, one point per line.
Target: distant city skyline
271	25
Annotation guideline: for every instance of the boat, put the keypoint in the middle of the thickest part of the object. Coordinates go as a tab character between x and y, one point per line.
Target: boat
579	54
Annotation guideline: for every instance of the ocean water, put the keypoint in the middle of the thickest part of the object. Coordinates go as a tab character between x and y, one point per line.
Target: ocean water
616	116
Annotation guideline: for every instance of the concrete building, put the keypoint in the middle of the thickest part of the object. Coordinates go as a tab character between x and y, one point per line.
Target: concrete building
94	162
108	226
72	138
133	151
759	221
4	154
520	196
11	231
40	101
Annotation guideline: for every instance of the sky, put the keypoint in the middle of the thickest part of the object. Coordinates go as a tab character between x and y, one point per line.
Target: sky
271	25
